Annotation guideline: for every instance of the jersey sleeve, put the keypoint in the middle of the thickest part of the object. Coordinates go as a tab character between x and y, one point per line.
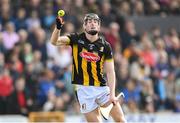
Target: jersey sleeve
108	53
73	37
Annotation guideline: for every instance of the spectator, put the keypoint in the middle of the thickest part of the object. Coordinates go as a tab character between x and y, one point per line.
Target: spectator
33	20
5	12
112	36
147	96
38	42
170	90
91	6
16	65
59	104
35	5
6	88
18	100
46	84
69	27
174	7
27	54
20	21
67	80
132	91
9	36
131	53
38	65
48	18
162	65
138	8
106	16
128	35
2	62
124	8
155	33
2	47
175	46
62	57
23	35
122	74
31	79
139	70
159	49
147	53
50	103
152	7
177	94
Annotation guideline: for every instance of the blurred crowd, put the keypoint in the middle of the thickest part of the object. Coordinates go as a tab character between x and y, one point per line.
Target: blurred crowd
36	76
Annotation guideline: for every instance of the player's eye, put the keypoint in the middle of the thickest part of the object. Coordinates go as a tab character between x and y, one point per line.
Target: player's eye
90	21
95	21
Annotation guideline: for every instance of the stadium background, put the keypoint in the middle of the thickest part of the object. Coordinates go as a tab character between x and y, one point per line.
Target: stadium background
144	35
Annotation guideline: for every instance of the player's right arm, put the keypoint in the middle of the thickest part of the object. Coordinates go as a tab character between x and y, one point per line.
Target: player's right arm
56	39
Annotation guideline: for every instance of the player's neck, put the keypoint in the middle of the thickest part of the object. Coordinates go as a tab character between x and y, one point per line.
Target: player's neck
91	38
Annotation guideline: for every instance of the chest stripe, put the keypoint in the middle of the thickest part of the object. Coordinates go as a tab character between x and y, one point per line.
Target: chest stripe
75	55
84	70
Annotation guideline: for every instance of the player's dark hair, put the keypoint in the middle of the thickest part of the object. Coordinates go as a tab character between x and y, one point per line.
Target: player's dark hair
91	16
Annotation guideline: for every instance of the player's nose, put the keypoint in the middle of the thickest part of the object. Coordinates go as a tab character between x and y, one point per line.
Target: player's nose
93	24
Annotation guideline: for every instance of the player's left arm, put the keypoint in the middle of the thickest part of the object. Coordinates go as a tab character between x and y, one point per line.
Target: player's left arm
110	73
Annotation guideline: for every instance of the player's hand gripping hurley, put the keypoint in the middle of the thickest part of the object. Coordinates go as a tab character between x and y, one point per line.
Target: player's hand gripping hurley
105	111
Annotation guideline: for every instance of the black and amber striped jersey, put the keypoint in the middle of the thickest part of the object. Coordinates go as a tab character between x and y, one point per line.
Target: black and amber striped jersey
88	60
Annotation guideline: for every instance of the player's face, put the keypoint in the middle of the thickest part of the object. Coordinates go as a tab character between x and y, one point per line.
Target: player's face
92	25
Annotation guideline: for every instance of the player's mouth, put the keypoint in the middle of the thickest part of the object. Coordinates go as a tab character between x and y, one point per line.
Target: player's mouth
93	28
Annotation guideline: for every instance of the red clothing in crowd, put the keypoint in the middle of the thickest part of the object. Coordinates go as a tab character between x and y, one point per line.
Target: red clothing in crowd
6	86
21	99
111	39
148	58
